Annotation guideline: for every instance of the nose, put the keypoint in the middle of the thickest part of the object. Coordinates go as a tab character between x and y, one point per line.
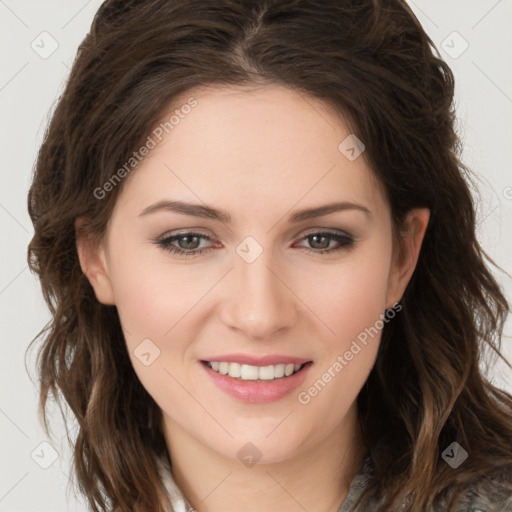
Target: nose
261	301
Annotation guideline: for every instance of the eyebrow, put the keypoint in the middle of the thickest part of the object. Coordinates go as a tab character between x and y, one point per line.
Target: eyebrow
208	212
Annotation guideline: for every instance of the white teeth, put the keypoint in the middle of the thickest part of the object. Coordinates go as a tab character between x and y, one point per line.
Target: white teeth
278	371
266	372
249	372
234	370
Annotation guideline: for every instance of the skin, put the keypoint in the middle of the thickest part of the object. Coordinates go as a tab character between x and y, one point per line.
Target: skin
260	154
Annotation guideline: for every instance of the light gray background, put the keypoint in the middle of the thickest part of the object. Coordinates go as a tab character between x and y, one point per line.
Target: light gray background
29	86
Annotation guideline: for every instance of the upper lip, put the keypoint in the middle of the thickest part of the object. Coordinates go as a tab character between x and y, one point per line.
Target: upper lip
252	360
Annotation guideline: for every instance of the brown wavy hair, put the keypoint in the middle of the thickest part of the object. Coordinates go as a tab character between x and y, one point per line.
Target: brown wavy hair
373	63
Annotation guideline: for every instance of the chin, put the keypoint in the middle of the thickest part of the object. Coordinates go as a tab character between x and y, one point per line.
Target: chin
261	448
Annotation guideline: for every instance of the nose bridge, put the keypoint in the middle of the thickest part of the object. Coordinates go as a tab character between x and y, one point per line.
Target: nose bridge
260	303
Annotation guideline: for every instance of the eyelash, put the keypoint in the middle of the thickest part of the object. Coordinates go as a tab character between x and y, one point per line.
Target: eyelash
345	242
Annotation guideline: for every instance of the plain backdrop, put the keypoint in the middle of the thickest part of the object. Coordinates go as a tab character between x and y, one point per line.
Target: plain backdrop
39	40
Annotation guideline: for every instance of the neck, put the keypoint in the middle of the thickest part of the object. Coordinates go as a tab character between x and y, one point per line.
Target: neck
313	480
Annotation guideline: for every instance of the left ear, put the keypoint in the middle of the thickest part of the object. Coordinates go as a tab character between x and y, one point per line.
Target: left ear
406	256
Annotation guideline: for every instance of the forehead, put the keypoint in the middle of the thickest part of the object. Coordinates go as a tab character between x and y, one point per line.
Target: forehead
252	148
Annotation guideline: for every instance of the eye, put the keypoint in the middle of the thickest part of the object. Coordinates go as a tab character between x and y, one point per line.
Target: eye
189	243
322	240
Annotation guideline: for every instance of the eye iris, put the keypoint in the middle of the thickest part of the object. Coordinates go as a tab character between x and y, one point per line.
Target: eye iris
314	238
187	243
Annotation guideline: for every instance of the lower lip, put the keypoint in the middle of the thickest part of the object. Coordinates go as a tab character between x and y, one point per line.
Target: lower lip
254	391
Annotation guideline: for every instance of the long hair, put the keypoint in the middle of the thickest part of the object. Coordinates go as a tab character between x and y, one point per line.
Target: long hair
374	64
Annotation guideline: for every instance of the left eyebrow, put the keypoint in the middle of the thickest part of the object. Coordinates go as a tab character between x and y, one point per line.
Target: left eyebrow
209	212
320	211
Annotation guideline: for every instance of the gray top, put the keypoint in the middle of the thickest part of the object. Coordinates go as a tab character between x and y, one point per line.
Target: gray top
490	494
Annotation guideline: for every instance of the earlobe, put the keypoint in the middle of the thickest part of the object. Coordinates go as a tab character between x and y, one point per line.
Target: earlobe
411	240
93	263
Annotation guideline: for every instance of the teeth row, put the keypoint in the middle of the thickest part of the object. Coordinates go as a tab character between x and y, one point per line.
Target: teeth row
248	372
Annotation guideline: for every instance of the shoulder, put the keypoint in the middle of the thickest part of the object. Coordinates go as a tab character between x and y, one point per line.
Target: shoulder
491	492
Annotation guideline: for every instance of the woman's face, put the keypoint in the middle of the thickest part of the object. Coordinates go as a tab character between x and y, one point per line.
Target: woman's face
258	294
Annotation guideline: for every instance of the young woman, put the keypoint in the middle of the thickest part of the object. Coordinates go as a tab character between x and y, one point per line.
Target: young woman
257	242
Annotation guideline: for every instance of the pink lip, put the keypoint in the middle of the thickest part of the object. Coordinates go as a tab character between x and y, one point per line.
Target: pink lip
257	360
256	391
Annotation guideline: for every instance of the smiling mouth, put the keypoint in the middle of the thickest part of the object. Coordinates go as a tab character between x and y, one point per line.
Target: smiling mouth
255	373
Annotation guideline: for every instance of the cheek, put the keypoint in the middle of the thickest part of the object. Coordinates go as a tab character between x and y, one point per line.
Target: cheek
151	296
155	302
353	309
353	296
